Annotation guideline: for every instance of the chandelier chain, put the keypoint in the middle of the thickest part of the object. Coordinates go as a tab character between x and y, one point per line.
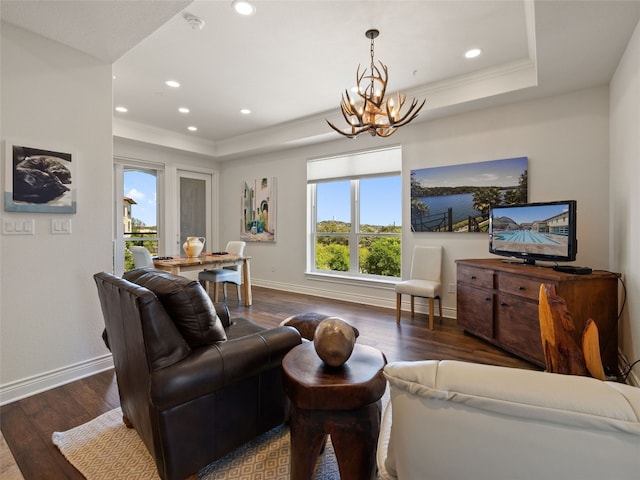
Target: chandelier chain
372	65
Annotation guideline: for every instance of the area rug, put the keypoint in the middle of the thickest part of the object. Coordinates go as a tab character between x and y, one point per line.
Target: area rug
104	449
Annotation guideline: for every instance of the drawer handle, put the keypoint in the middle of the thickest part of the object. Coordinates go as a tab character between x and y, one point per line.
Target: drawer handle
503	304
521	288
487	299
473	277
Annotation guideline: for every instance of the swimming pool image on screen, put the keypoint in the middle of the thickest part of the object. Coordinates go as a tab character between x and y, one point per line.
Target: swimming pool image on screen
545	230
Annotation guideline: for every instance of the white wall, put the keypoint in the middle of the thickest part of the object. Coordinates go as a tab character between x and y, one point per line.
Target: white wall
50	317
625	195
565	138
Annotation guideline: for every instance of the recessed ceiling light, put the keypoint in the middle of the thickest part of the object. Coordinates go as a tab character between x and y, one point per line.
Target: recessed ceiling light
243	7
121	109
172	83
183	110
473	53
192	128
245	111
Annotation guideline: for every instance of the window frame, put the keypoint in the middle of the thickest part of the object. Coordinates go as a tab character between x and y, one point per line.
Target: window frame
355	233
120	166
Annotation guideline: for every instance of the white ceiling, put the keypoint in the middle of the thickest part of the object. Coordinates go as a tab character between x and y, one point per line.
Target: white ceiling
290	62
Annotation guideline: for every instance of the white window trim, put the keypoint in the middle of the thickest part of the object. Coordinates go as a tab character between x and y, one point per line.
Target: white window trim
353	167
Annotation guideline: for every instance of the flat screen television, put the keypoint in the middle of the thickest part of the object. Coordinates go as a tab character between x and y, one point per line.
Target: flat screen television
534	231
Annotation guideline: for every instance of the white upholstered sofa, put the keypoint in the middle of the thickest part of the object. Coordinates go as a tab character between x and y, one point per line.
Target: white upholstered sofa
449	420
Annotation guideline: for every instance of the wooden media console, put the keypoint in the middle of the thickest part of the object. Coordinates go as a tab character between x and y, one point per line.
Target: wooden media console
498	301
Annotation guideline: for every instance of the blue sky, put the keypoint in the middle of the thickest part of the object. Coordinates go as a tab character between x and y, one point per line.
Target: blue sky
494	173
530	213
142	188
380	199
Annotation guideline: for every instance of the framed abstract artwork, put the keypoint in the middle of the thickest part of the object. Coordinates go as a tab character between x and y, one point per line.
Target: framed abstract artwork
457	198
258	223
39	179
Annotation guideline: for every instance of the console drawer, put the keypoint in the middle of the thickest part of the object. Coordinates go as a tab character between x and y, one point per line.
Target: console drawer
478	277
519	285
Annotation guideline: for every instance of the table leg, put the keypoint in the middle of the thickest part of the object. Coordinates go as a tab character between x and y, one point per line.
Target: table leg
355	438
246	278
354	434
307	439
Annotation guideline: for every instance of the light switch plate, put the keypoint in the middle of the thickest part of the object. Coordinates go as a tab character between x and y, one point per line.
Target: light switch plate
61	226
18	226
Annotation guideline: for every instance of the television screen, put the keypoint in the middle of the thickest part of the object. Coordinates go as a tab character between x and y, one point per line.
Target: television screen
534	231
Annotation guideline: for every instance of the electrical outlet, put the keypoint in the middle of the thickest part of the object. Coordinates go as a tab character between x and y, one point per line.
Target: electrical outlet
451	288
273	268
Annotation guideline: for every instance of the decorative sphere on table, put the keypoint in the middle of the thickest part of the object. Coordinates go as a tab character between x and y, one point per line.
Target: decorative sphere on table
334	340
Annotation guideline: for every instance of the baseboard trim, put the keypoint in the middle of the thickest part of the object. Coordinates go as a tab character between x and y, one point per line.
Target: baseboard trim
375	301
27	387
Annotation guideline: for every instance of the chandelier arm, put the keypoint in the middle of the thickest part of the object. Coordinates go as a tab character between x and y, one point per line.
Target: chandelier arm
387	132
347	104
348	135
413	114
383	81
359	78
354	133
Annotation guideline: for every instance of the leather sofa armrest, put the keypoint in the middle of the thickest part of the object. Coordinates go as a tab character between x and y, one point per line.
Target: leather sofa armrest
223	313
211	368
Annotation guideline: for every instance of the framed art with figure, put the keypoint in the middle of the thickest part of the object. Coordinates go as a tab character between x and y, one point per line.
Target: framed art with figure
258	222
39	179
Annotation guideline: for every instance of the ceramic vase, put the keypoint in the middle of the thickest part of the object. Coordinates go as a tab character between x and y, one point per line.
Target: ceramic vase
193	246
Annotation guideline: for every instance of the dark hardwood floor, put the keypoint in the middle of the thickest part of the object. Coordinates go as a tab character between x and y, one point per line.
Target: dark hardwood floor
27	424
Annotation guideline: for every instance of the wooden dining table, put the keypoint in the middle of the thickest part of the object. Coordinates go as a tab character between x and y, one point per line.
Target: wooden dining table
182	263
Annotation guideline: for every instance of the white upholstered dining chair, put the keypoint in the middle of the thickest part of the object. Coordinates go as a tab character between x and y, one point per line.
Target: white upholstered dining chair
231	274
425	280
141	256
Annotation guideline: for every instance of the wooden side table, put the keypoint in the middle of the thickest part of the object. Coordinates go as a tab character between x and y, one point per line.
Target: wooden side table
343	402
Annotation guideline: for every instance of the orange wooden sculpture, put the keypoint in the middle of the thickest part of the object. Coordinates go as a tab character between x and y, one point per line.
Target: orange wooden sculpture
566	350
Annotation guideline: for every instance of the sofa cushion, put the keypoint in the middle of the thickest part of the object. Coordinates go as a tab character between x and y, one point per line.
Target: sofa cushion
121	303
186	302
537	396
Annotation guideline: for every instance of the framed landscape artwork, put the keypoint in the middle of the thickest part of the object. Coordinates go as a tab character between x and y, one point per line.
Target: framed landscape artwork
258	223
39	180
457	198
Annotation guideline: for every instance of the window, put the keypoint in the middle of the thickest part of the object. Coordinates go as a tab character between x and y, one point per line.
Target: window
141	215
355	209
137	219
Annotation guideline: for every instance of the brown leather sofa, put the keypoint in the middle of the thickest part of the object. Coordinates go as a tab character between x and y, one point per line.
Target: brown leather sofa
193	383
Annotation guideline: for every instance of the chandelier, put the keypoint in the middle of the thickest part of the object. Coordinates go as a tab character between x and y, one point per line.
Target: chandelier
373	112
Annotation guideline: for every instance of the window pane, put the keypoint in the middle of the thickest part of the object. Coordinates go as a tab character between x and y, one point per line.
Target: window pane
379	255
193	210
381	205
140	212
332	253
333	206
